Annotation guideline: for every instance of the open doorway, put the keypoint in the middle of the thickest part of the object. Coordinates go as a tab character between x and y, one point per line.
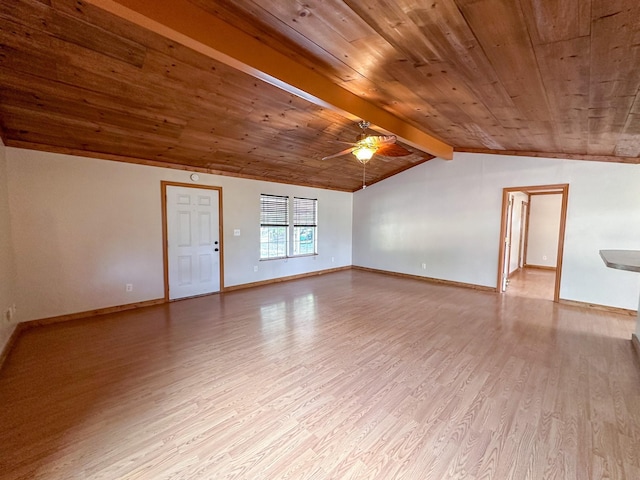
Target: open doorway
532	240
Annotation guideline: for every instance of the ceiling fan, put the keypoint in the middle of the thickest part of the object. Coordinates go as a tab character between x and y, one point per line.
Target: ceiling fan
366	146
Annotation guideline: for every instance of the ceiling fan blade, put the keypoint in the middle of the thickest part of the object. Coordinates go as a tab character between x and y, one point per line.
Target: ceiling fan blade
343	152
378	140
393	150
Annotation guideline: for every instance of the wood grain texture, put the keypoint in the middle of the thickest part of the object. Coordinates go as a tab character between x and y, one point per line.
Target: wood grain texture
563	156
346	375
552	78
532	283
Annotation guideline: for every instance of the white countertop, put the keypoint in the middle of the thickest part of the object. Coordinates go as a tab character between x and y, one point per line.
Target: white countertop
622	259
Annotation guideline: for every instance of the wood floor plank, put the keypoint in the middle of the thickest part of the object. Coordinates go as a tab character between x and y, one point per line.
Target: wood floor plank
347	375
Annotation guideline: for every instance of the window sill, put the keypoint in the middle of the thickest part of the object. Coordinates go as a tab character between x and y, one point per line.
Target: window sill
287	258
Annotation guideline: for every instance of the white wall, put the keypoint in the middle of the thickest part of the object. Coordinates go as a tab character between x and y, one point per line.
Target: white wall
544	226
7	268
83	228
447	214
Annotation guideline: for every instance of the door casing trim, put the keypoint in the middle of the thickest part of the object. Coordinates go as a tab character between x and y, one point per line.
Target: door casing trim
165	236
562	189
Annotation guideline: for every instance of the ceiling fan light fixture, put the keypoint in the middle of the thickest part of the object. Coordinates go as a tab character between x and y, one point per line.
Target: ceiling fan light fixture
364	153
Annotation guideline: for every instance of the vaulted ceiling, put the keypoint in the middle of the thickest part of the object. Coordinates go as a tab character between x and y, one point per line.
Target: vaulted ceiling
557	78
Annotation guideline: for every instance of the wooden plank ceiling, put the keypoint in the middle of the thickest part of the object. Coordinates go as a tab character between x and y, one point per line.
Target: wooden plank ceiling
545	78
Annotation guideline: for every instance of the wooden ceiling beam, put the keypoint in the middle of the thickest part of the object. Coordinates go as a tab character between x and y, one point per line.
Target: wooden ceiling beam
184	22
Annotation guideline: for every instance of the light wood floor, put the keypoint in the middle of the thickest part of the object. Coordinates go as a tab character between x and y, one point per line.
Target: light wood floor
532	283
346	375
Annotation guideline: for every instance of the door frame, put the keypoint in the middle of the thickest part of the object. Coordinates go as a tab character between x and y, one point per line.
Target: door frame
562	189
507	253
165	233
524	233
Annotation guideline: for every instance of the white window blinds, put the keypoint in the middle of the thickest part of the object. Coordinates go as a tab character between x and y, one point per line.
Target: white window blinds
274	211
305	212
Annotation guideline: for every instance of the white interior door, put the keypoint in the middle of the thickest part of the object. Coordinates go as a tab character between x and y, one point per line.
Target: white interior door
193	241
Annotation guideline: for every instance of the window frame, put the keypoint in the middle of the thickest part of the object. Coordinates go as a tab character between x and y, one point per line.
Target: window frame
298	213
304	217
271	219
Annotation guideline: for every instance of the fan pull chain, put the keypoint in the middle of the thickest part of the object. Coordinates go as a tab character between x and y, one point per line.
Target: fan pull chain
364	173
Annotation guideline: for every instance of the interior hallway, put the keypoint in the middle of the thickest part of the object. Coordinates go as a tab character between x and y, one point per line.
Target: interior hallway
532	283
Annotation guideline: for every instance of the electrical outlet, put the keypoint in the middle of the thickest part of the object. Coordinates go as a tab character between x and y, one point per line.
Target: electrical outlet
424	266
129	287
255	268
333	259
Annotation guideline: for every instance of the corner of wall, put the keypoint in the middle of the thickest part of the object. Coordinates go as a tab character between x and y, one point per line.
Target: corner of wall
7	261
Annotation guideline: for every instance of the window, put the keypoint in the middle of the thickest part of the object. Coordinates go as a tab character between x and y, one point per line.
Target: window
304	226
274	226
277	240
